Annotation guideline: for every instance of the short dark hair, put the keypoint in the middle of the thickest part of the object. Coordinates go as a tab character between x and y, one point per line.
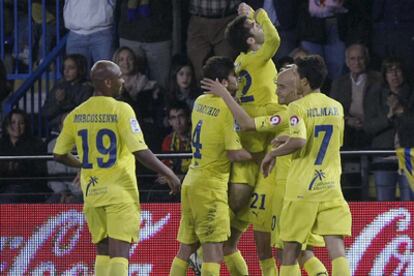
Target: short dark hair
390	62
237	33
178	105
218	67
312	68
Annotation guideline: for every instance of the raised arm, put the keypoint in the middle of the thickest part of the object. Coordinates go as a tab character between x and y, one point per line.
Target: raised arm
216	88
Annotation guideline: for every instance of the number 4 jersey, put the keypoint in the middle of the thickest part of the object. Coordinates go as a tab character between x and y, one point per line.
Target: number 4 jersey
106	133
316	169
213	134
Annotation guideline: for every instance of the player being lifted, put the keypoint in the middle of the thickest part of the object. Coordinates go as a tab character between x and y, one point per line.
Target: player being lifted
313	200
107	136
267	217
205	215
254	36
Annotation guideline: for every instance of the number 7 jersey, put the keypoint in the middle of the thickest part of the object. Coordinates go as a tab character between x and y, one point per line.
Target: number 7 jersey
106	133
315	172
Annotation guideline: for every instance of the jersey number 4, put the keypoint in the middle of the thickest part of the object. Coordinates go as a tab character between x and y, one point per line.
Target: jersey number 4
327	129
195	141
109	149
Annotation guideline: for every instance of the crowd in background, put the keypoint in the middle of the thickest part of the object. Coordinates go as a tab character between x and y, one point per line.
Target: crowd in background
368	47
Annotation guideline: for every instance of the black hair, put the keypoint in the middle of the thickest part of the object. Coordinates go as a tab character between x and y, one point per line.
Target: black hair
312	68
218	67
237	33
178	105
177	63
81	65
7	122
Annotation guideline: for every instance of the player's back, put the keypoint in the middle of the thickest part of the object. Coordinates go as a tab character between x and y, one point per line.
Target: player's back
103	130
213	134
316	168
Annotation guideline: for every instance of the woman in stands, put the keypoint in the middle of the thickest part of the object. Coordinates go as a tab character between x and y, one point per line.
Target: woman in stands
69	92
386	123
182	83
17	139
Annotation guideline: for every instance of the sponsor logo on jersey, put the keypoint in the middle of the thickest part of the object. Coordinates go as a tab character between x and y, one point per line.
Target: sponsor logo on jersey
275	120
134	125
294	120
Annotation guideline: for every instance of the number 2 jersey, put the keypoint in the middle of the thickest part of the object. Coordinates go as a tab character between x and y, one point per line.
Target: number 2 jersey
316	168
106	133
213	133
257	89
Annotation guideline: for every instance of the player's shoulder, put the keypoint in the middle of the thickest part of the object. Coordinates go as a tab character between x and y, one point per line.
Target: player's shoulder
331	101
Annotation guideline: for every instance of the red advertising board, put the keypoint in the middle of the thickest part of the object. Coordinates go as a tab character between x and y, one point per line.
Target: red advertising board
54	240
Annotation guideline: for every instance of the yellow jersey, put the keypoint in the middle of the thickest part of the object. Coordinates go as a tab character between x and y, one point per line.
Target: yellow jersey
257	75
105	133
278	124
213	133
316	168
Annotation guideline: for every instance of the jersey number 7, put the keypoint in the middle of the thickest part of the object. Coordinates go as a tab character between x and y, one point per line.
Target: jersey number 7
325	141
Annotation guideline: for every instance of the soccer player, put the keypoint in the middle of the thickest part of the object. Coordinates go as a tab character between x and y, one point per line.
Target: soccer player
107	136
267	200
254	36
205	215
313	200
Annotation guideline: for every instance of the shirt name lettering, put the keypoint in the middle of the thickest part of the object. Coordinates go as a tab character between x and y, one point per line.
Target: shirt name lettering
95	118
207	110
322	111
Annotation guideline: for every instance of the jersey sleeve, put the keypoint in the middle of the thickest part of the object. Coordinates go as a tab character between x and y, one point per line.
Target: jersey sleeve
130	130
277	123
271	37
231	138
297	127
65	141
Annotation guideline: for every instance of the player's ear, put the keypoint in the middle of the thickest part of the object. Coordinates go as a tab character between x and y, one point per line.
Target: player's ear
250	40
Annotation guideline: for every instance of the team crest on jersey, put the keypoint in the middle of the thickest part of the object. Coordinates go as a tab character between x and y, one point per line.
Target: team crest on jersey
275	120
134	125
294	120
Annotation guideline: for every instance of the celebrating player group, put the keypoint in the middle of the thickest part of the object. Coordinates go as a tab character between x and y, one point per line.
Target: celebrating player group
266	153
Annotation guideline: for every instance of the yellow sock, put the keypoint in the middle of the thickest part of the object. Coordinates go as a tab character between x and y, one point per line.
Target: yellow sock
118	266
268	267
210	269
290	270
314	266
178	267
101	265
340	266
236	264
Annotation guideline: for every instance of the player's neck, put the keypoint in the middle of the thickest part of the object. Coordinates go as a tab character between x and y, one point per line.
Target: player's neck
310	91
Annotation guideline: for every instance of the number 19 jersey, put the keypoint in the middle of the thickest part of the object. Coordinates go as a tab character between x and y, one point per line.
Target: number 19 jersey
316	168
106	133
213	133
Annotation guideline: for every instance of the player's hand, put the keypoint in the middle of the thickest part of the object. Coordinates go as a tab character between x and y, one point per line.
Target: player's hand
161	179
279	140
214	87
174	183
245	9
267	164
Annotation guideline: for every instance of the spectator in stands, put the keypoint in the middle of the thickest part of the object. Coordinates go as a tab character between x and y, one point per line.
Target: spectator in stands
205	36
351	90
326	27
178	141
298	53
69	92
146	28
18	140
144	95
384	102
91	28
64	191
182	86
393	30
